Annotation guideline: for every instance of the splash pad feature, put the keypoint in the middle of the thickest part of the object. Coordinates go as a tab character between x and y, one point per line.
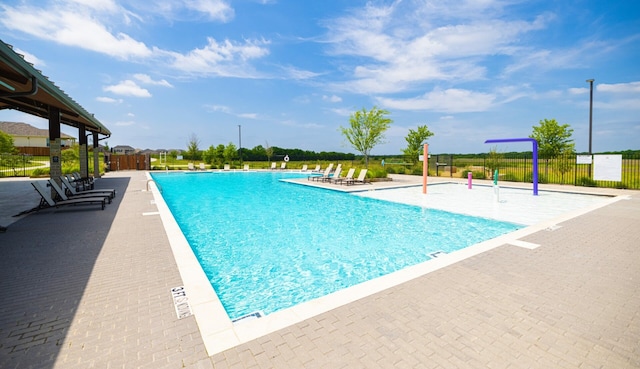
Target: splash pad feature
535	157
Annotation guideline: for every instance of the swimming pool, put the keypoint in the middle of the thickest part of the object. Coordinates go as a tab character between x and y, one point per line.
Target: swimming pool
266	245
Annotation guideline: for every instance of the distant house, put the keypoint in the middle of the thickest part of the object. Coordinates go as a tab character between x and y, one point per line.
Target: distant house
31	140
123	150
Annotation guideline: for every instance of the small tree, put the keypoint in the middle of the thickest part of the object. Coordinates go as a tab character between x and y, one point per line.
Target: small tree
269	151
366	130
193	150
493	160
6	144
415	140
230	152
553	139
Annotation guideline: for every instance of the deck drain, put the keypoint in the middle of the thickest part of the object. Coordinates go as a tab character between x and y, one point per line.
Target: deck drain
181	302
437	254
250	316
553	227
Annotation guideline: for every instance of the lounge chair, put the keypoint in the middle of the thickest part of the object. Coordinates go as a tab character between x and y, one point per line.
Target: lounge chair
362	178
202	166
336	176
326	174
304	168
47	201
273	166
63	196
246	167
74	190
85	182
191	167
227	167
283	165
317	168
348	177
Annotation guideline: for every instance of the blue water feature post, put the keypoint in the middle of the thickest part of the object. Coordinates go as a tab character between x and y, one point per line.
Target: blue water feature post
535	156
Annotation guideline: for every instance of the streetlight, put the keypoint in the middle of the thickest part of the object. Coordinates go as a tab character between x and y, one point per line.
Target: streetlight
590	111
590	119
240	141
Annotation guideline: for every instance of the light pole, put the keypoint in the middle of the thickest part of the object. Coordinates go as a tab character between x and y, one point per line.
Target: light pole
240	141
590	119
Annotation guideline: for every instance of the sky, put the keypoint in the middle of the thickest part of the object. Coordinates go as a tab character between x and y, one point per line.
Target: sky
290	73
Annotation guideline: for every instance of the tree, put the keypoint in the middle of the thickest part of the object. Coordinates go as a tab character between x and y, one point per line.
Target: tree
6	144
553	140
366	130
415	140
230	152
269	151
193	151
492	162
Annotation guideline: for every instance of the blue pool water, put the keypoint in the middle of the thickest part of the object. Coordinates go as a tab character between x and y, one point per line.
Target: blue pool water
267	245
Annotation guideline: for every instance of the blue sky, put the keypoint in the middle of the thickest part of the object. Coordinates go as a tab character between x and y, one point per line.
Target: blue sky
291	72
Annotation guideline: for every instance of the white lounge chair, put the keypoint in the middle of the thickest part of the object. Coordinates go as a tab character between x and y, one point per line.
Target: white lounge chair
336	176
191	167
273	166
202	166
246	167
362	178
47	201
326	174
348	177
283	165
304	168
227	167
317	168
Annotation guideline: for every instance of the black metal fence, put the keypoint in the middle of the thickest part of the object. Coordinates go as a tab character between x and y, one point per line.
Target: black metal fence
22	165
566	169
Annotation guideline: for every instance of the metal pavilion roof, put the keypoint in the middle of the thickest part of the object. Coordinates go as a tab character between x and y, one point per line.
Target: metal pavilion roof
24	88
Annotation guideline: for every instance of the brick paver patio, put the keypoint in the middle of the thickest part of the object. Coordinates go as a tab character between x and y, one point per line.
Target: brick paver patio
91	289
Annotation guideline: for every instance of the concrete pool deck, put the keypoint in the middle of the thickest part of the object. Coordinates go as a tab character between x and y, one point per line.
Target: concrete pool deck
91	288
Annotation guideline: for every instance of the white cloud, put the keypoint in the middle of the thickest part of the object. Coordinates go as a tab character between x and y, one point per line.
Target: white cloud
631	87
108	100
76	27
30	58
248	115
332	98
147	80
451	100
215	9
125	123
578	90
128	88
226	58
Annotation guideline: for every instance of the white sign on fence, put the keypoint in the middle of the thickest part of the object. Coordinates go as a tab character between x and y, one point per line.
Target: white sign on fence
583	159
607	168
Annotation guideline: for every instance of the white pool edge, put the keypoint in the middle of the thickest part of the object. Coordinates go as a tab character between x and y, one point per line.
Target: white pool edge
219	333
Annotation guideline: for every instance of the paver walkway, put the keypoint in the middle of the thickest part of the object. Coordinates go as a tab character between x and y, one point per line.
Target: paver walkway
91	288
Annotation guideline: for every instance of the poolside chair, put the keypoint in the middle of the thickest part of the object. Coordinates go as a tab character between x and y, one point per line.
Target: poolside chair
227	167
362	178
336	174
47	201
283	165
304	168
348	177
63	196
246	167
326	173
71	190
191	167
85	182
202	166
273	166
317	168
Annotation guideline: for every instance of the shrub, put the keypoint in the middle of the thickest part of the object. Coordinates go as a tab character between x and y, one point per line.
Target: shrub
390	170
40	172
529	178
376	173
587	182
475	174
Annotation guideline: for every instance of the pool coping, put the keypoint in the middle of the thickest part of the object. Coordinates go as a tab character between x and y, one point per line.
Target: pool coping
219	333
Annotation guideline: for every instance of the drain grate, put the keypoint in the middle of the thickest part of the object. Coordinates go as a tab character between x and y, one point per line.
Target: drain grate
250	316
